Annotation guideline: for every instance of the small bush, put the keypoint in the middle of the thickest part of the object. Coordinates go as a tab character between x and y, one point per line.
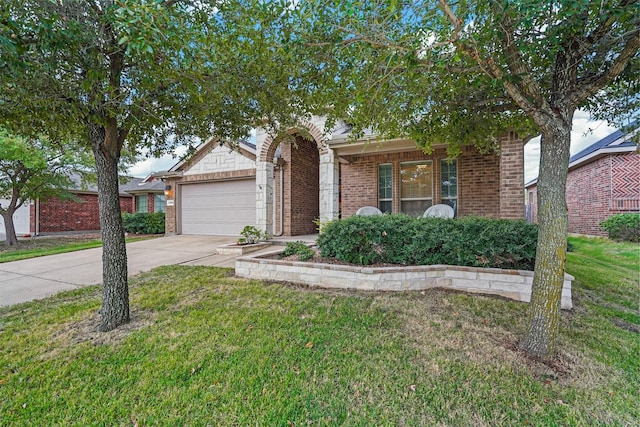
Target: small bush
143	223
300	249
251	235
625	227
401	239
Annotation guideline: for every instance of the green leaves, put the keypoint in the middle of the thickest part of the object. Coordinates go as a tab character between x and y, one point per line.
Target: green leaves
32	169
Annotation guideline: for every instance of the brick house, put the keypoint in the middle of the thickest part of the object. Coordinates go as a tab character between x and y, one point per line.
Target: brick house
148	194
603	180
80	213
284	185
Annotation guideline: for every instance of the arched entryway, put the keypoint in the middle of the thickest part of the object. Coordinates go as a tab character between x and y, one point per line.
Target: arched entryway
296	199
308	171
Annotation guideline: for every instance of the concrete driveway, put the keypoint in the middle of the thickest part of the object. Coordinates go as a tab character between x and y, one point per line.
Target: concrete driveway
36	278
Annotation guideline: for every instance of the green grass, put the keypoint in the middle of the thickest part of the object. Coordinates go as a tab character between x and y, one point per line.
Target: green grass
205	348
50	246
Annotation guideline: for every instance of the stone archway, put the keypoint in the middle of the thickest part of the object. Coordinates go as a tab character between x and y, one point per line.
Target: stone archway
309	177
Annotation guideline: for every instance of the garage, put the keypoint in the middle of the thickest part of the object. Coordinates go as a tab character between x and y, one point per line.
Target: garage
21	218
221	208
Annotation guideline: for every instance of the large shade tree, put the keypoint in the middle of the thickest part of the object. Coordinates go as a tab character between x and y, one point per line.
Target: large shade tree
462	72
135	74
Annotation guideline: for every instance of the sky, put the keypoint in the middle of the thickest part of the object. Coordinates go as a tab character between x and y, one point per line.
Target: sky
585	132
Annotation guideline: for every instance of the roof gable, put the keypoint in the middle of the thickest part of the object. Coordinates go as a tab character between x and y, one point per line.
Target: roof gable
616	139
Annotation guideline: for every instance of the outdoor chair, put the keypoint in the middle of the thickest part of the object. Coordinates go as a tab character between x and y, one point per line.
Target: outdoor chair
368	211
439	211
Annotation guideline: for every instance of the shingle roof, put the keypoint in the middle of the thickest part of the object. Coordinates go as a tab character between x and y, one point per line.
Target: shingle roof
78	185
606	142
617	140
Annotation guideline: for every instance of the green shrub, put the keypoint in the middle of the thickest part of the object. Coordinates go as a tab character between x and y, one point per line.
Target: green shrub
300	249
625	227
251	235
401	239
143	223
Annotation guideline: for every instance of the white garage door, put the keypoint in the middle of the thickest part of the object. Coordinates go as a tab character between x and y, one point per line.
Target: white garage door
218	208
20	219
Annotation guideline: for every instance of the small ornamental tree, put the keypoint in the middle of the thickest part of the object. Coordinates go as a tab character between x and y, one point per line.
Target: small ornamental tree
30	170
137	74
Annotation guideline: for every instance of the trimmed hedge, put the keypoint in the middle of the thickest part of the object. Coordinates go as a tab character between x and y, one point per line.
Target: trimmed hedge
143	223
401	239
624	227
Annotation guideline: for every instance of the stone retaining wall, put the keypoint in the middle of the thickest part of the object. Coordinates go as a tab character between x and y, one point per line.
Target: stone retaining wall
513	284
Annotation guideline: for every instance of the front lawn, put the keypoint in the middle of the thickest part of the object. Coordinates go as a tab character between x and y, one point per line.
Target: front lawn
205	348
41	246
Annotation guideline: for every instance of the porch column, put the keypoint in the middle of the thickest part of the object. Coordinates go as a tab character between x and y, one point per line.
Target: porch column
329	186
264	196
511	177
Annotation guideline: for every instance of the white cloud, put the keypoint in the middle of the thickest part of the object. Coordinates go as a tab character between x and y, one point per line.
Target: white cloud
584	133
156	164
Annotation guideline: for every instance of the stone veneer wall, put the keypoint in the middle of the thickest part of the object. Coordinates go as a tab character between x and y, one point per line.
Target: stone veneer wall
513	284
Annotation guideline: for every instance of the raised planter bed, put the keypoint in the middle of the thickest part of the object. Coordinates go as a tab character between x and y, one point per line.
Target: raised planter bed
513	284
236	249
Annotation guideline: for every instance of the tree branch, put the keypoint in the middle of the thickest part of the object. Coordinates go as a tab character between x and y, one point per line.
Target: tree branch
529	98
586	44
589	86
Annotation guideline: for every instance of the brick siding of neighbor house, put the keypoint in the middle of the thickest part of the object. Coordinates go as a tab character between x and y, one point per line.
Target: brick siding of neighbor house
301	187
600	189
597	190
479	181
58	215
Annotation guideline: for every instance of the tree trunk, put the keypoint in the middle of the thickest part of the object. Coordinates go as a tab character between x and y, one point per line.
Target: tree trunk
548	279
10	230
115	289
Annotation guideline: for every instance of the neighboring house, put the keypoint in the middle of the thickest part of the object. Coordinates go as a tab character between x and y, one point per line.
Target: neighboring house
603	179
80	213
284	186
148	194
20	219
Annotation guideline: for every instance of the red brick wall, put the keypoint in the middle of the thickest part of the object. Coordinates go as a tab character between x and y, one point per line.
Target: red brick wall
302	187
479	184
511	177
58	215
599	189
278	229
478	181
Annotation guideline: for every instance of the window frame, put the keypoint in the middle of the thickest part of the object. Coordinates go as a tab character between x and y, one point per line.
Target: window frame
163	203
144	197
413	199
390	188
445	163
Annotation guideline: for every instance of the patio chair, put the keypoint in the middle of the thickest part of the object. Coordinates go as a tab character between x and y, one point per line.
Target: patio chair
439	211
368	211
